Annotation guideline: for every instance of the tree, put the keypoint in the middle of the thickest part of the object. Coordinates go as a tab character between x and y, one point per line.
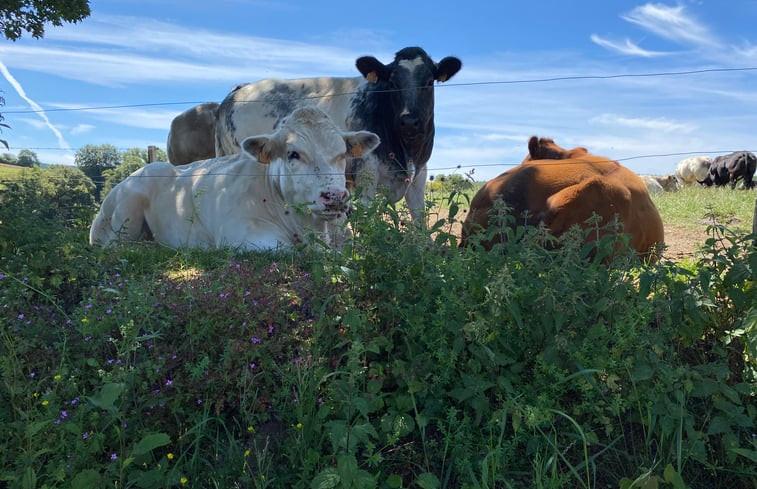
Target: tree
28	158
8	159
19	16
133	160
94	160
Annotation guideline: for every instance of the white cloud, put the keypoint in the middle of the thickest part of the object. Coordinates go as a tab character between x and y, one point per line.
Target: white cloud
115	51
627	47
654	124
81	129
672	23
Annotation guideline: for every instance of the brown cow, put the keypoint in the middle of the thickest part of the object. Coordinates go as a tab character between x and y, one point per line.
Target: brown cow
563	193
192	135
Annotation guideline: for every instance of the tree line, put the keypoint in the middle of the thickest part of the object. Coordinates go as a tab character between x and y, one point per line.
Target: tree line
103	165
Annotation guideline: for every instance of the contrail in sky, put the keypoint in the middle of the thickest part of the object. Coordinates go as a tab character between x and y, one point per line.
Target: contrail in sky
40	111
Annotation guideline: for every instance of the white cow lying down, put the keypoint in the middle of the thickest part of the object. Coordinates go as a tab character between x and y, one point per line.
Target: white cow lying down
281	187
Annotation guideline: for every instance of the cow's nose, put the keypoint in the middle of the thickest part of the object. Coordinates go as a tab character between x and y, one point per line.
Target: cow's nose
409	124
333	198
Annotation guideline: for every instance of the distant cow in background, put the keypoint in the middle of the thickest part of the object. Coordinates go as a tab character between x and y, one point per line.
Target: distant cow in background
192	135
659	184
691	170
730	168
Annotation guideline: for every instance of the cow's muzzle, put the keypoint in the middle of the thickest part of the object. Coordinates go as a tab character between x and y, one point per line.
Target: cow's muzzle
335	203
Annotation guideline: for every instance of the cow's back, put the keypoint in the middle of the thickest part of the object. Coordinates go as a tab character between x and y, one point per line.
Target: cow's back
257	108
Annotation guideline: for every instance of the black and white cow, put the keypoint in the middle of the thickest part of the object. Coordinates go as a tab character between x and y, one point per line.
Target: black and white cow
394	101
730	168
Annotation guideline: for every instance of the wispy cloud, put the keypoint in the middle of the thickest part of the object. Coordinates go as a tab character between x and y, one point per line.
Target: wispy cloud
81	129
672	23
34	105
627	47
116	51
655	124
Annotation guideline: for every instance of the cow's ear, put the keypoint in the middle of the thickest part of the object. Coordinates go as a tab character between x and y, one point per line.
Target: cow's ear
258	147
372	69
447	68
360	143
533	147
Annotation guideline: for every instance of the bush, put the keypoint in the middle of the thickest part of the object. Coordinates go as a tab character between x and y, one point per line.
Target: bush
403	361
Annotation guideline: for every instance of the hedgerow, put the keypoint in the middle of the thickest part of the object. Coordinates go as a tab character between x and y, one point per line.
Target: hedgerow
400	361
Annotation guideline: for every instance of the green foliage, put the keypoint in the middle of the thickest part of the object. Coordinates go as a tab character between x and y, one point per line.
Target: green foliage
27	158
43	214
95	160
19	16
8	159
401	361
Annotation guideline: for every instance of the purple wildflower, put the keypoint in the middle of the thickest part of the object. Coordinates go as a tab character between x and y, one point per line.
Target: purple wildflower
255	340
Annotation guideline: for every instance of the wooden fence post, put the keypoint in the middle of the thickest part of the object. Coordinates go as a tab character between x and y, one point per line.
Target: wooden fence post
754	223
152	154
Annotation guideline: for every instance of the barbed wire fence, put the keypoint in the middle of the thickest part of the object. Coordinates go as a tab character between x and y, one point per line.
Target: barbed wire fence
152	150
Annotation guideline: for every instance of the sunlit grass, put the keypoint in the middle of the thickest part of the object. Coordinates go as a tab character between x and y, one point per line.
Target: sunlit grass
692	207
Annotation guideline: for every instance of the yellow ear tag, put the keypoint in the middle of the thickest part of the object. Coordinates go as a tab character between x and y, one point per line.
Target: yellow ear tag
264	158
372	77
442	78
356	151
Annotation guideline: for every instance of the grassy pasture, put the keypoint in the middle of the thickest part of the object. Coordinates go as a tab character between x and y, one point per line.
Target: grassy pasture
401	362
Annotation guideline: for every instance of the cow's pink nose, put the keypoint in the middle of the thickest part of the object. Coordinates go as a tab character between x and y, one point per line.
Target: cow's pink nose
332	198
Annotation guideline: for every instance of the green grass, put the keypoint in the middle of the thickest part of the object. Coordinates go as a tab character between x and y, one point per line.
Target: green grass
10	171
690	207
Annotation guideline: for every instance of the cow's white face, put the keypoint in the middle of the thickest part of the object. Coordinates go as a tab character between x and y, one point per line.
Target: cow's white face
307	157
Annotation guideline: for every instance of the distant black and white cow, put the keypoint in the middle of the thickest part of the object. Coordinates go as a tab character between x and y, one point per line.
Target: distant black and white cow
192	134
280	188
730	168
395	101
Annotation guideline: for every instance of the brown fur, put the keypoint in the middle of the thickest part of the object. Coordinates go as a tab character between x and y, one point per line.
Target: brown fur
547	149
567	192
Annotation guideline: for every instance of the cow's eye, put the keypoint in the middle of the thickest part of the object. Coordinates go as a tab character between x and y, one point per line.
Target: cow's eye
293	155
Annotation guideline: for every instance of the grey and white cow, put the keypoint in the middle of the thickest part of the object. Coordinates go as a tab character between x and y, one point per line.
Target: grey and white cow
394	101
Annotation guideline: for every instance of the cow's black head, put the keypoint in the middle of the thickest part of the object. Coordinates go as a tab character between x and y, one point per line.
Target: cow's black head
407	87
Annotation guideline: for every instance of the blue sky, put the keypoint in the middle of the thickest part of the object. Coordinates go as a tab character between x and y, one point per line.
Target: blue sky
131	66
